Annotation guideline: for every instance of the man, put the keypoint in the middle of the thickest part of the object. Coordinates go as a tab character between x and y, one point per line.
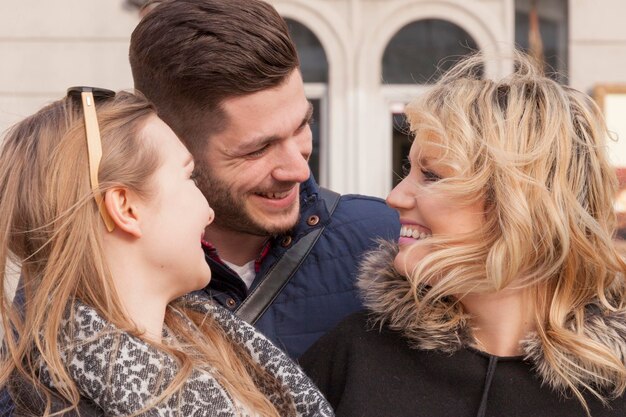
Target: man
224	75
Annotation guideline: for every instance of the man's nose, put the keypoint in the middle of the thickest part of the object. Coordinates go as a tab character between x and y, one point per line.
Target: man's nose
293	165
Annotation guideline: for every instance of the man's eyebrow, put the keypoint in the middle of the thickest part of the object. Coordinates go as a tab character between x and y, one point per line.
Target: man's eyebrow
307	117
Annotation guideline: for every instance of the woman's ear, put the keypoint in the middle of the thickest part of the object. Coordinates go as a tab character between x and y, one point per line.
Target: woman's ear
119	202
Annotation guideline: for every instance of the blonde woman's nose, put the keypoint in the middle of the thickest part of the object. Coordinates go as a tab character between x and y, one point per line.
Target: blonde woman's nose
399	198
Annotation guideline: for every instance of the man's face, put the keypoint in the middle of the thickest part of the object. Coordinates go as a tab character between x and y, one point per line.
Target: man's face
251	171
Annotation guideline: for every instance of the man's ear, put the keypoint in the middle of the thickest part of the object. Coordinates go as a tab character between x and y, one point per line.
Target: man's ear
119	202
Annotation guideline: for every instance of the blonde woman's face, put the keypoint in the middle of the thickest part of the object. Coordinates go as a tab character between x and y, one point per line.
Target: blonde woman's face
426	211
174	217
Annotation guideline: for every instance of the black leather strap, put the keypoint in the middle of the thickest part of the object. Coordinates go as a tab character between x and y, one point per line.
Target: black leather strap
259	300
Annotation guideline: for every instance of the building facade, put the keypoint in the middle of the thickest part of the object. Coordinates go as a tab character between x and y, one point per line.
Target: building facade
363	60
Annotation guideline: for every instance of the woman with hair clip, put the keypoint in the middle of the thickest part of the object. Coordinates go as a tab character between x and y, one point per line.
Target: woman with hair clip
505	295
101	211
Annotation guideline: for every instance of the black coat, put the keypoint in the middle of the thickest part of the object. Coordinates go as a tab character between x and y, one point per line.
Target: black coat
374	373
399	367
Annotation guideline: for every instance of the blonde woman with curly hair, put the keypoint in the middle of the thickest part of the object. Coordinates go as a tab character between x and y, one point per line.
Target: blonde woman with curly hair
99	206
504	295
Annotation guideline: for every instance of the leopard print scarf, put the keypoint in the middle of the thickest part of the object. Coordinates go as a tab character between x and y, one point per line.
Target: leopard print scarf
122	374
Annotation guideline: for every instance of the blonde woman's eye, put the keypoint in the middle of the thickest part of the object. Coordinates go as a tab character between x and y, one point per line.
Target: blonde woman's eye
430	176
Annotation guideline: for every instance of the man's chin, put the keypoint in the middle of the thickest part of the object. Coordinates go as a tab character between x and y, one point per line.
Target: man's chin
259	225
274	223
278	227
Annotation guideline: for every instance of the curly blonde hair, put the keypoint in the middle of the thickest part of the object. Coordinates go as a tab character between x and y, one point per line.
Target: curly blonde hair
534	151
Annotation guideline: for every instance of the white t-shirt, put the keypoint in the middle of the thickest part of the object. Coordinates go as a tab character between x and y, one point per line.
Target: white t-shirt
246	272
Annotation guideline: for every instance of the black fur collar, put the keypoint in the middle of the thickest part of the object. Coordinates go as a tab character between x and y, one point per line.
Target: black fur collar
388	296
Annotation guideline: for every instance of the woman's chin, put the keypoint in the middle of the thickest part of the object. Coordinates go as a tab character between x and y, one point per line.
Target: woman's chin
206	278
408	257
401	264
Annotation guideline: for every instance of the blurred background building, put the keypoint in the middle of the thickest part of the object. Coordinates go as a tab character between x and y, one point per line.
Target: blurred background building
362	61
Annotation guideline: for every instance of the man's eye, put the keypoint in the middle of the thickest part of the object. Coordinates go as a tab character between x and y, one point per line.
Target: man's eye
430	176
258	152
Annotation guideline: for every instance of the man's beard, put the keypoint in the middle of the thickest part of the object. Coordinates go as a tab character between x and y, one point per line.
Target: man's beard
230	212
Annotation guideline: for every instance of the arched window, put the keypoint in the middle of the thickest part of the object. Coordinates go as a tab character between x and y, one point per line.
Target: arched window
313	62
422	49
415	57
314	67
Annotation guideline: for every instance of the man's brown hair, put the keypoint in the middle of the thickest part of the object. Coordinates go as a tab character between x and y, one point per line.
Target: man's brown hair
188	56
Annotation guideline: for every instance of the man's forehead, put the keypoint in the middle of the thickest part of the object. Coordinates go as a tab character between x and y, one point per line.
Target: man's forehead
264	114
275	101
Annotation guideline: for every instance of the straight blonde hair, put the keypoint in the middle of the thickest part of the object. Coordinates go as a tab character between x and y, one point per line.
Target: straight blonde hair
50	225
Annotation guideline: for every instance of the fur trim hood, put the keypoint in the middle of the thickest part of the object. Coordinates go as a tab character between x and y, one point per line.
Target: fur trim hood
389	298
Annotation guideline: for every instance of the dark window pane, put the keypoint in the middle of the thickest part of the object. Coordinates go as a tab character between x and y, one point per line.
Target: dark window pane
401	146
553	29
313	62
314	161
421	50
